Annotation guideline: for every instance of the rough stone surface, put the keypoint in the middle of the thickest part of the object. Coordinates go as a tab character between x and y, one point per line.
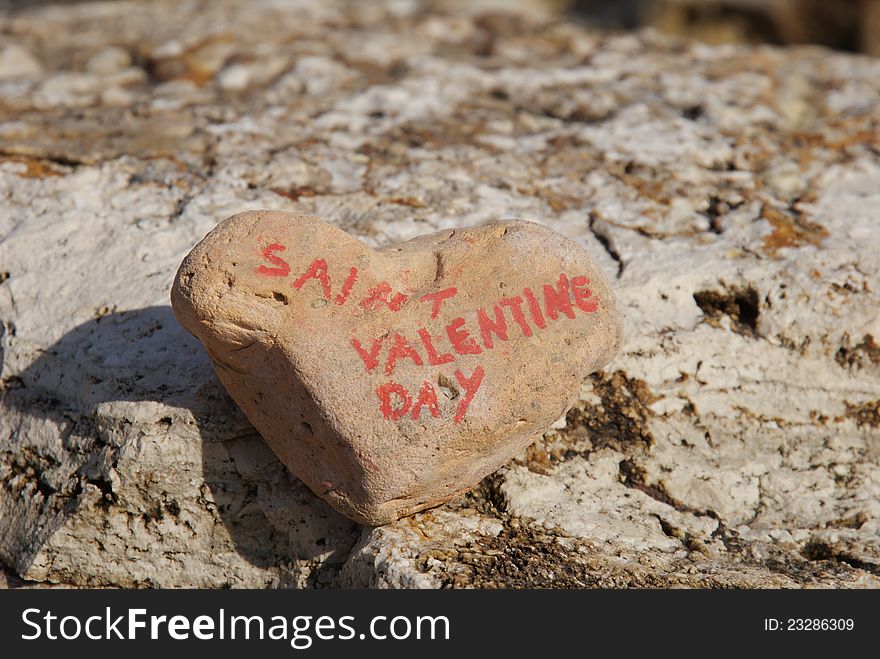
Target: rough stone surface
336	352
845	24
731	193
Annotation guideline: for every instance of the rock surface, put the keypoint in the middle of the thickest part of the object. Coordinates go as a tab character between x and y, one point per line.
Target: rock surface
336	351
845	24
731	193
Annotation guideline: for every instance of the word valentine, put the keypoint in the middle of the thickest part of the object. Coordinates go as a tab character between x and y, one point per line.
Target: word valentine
482	329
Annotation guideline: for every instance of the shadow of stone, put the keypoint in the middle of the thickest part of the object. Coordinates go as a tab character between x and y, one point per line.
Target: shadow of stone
77	429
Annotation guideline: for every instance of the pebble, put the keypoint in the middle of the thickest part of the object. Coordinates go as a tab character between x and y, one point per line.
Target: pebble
17	62
109	60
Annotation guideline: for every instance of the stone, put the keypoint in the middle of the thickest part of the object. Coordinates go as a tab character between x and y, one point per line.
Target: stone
109	61
241	76
392	380
728	193
16	62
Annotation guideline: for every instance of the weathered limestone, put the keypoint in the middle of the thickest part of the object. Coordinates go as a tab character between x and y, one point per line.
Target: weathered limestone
730	195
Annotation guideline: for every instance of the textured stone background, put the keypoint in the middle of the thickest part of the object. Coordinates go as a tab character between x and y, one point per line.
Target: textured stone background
733	193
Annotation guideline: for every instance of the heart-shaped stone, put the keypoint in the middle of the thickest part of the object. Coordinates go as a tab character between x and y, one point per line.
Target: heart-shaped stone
391	380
